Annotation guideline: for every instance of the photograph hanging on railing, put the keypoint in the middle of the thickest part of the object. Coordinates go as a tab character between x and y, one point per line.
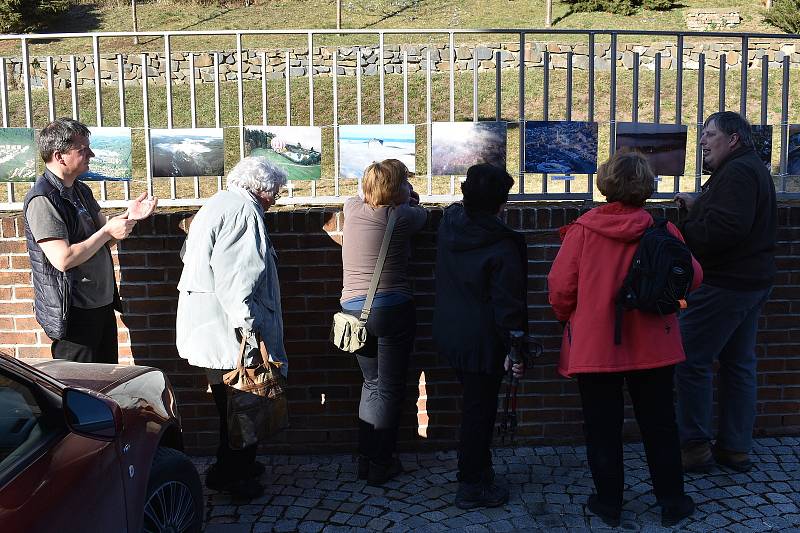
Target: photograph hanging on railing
762	142
663	145
456	146
793	154
18	154
187	152
560	147
295	149
113	160
360	145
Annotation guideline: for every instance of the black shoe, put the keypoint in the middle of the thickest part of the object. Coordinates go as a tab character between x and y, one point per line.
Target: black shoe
379	473
480	494
245	488
608	514
675	511
363	467
258	469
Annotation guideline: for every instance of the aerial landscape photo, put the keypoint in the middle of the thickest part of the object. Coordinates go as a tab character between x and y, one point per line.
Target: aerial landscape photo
762	141
561	147
362	144
793	155
296	149
663	145
187	152
456	146
18	154
112	155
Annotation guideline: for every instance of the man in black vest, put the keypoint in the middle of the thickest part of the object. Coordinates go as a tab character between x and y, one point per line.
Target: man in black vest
68	241
730	227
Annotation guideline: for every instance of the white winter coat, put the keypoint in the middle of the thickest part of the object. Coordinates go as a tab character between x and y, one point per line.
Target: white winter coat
229	281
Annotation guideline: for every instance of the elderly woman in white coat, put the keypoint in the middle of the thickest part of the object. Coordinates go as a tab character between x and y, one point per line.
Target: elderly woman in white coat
229	288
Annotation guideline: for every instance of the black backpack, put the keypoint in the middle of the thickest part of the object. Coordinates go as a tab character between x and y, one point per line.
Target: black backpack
659	277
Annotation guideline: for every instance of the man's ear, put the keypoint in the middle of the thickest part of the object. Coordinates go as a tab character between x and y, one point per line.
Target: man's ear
735	139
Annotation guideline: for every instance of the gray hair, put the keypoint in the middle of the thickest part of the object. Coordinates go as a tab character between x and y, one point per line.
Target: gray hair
58	137
729	123
257	174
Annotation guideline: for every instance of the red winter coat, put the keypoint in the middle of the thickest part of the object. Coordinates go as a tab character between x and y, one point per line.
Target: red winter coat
583	282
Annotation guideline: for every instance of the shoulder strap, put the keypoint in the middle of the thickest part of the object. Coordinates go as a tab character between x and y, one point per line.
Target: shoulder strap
376	276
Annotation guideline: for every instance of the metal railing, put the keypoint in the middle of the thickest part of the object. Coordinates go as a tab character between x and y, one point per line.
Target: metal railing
528	187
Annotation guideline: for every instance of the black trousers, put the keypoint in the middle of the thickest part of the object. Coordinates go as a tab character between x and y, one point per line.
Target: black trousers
91	336
479	412
235	463
651	392
384	364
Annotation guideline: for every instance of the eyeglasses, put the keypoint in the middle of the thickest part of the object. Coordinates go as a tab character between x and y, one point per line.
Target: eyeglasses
276	195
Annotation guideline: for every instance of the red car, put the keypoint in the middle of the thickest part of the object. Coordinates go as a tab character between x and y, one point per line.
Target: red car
92	447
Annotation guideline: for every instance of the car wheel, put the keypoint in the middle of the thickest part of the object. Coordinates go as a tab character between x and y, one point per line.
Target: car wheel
174	501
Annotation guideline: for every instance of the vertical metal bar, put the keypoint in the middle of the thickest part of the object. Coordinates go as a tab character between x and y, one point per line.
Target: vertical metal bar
358	85
498	85
635	100
405	86
545	85
475	88
657	89
613	98
73	79
26	83
121	89
146	125
679	81
745	61
217	105
288	89
335	69
764	87
168	77
701	78
591	87
264	112
784	123
98	94
723	79
428	119
51	91
451	45
193	113
240	91
381	75
521	171
568	111
126	186
311	81
3	93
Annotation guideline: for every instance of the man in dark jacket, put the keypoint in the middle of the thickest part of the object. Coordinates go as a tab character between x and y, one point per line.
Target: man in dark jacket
730	227
480	303
68	241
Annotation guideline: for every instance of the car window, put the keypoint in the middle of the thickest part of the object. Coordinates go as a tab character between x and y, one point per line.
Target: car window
26	423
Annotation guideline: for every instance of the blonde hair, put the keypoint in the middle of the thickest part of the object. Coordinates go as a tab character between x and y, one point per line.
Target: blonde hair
383	182
627	178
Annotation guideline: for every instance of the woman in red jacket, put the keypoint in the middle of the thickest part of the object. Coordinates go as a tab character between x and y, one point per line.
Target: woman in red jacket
588	272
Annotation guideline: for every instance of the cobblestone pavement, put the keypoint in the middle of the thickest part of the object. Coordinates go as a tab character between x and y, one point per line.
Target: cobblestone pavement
549	485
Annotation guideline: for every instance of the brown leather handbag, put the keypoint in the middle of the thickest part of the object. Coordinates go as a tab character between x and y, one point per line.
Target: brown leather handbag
257	403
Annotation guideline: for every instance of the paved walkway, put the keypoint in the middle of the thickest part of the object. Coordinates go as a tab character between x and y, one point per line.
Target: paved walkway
549	485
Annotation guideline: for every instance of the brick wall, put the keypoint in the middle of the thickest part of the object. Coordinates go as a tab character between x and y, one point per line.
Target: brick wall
324	383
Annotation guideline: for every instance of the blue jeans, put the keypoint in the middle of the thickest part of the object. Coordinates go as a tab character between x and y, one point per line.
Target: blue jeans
719	324
384	364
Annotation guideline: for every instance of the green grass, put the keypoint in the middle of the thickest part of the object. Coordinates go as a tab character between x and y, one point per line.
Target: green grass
294	171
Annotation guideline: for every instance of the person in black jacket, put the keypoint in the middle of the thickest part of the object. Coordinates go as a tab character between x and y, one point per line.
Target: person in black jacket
730	226
480	303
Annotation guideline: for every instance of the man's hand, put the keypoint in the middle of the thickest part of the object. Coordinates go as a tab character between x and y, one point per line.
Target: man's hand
119	227
142	207
684	200
517	369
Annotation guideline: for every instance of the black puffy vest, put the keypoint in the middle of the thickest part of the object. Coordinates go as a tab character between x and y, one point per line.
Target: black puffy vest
52	287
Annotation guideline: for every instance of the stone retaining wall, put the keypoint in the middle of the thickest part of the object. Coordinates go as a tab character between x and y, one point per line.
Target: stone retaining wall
275	67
